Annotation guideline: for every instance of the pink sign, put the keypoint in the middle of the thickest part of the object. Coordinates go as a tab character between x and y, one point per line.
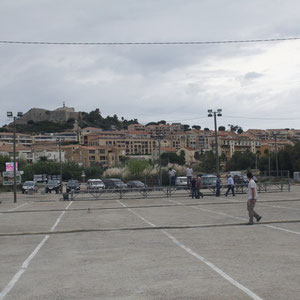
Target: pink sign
9	166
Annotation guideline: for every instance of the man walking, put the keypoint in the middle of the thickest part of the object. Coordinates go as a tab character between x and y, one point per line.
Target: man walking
230	185
252	197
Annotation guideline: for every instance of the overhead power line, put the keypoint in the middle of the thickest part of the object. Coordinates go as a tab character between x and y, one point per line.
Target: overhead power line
262	118
150	43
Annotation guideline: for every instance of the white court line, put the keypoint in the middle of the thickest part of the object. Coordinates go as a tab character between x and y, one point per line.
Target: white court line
199	257
61	215
12	209
25	264
262	204
238	218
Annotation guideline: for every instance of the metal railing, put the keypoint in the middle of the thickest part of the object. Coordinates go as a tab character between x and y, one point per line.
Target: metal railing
165	192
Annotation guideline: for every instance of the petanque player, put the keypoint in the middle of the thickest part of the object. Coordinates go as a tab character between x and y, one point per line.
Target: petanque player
252	197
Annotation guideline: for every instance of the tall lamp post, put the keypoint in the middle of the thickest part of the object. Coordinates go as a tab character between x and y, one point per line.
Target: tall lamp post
10	115
216	113
276	151
58	140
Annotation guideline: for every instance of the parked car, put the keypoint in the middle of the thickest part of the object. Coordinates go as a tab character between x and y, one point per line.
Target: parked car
240	180
29	186
181	181
95	184
114	183
53	185
73	185
208	181
135	184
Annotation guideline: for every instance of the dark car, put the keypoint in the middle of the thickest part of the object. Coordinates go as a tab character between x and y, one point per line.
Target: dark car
240	180
53	185
114	183
208	181
29	187
72	185
135	184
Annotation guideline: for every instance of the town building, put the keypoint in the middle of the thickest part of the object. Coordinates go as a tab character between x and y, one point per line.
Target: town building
21	138
88	156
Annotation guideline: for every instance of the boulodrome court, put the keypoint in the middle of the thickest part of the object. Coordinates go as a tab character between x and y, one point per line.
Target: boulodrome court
149	248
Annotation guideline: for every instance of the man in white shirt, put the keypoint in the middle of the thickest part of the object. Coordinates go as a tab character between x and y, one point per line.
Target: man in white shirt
230	186
189	175
252	197
172	176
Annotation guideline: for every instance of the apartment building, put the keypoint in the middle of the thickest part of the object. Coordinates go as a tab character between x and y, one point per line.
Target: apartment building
230	145
86	131
53	137
88	137
49	150
136	127
164	129
131	146
21	138
22	152
94	155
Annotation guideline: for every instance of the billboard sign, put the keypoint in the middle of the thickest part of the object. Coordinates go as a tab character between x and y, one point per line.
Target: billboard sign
8	178
9	166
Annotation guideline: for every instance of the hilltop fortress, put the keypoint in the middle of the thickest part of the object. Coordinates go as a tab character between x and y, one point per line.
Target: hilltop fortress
61	114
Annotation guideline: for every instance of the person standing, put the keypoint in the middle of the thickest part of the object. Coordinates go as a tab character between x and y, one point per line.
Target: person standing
252	197
189	175
230	186
218	186
172	176
193	188
198	186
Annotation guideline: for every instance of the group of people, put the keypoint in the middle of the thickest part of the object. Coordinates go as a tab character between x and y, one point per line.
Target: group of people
194	183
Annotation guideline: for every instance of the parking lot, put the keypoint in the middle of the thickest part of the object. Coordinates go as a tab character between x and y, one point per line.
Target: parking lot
149	248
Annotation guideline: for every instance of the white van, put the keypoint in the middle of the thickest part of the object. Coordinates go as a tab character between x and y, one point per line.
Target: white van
95	184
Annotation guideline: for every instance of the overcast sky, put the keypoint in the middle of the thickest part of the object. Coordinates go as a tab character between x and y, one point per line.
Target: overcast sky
257	85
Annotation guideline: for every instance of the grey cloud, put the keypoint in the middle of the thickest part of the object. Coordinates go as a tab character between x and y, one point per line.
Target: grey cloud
252	75
144	82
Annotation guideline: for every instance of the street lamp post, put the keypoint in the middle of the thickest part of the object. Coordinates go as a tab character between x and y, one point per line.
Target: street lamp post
60	161
10	115
216	113
276	151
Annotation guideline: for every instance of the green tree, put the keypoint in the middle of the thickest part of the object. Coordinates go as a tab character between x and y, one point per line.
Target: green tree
186	127
197	127
136	167
241	161
173	158
3	160
208	162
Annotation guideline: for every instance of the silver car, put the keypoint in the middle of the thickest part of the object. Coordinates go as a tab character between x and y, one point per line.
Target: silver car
29	187
95	184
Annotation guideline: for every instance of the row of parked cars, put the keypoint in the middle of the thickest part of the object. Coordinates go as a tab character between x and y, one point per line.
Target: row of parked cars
74	185
210	180
113	183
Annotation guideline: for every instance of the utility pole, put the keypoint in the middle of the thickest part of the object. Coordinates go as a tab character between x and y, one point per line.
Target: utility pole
276	151
215	114
60	162
159	159
10	115
15	169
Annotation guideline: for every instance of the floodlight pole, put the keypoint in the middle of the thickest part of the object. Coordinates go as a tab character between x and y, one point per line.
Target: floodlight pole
10	115
15	169
276	151
60	162
215	114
